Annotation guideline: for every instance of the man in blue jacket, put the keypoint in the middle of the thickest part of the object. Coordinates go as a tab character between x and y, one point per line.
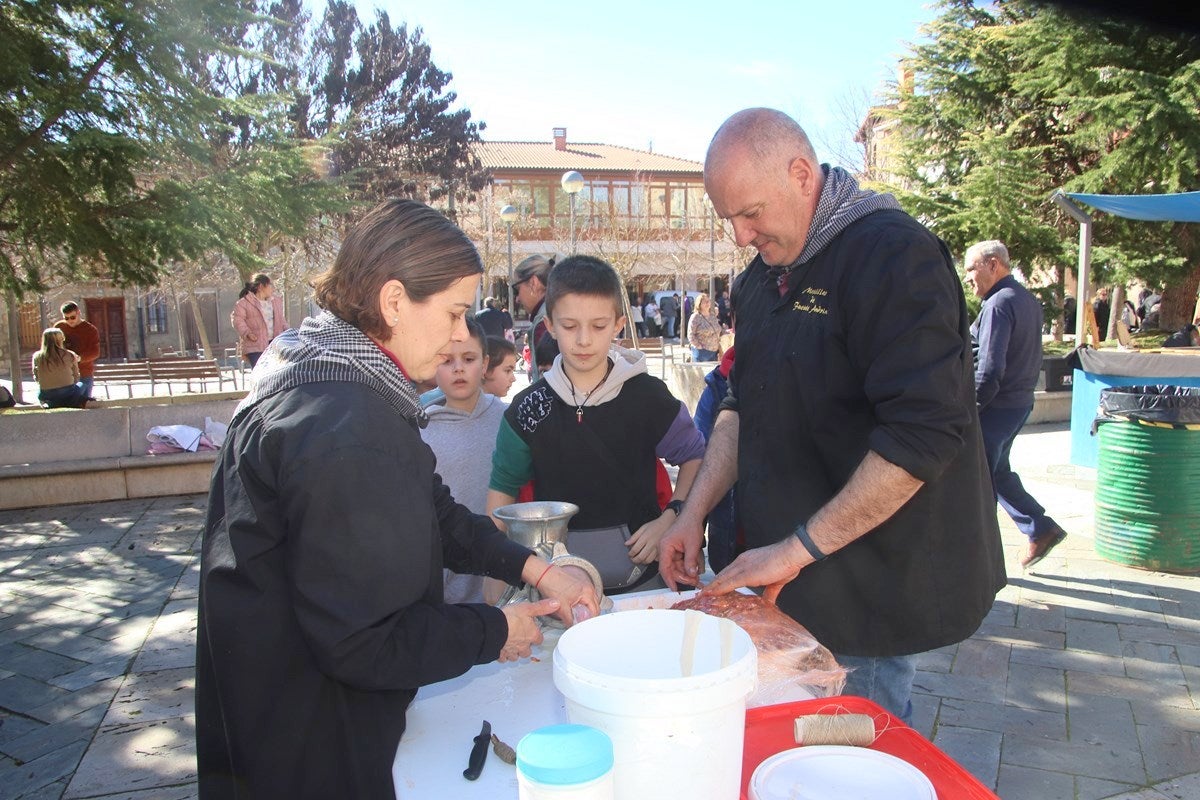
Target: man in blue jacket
1008	338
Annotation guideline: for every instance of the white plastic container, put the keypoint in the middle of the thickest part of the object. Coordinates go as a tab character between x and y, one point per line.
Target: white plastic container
673	735
565	762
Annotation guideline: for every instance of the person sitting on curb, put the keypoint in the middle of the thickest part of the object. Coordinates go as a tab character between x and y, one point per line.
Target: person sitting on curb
56	370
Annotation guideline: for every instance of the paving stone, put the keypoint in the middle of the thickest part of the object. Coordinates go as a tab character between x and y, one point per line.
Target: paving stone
52	791
1081	758
1022	782
1167	752
954	686
50	768
73	703
1069	659
982	659
925	713
72	644
1096	789
1140	794
1146	670
1036	687
153	696
1151	713
1096	719
1002	718
1186	787
1191	675
188	791
1021	636
977	751
189	582
1188	654
14	726
935	662
92	673
1041	616
1096	637
49	738
1163	635
127	758
1002	613
36	663
22	694
172	640
1129	688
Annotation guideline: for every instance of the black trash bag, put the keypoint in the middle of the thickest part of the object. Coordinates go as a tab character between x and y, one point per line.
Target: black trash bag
1172	405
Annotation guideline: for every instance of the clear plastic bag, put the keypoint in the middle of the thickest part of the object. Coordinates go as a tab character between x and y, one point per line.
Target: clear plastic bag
792	665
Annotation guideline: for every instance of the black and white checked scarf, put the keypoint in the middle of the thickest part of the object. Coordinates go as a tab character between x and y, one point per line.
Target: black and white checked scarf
325	348
841	203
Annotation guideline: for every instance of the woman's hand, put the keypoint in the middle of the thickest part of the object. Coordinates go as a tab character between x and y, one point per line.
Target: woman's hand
570	586
523	629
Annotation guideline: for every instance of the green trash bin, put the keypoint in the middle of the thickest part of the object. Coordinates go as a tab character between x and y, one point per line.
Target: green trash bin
1148	480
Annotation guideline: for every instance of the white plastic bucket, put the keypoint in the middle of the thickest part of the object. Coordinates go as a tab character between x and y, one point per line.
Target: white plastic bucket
673	736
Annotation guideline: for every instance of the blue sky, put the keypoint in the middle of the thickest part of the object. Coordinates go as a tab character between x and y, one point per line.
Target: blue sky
633	72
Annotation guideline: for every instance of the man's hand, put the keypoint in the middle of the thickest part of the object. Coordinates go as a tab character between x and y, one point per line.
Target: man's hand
569	587
771	567
643	545
523	629
679	552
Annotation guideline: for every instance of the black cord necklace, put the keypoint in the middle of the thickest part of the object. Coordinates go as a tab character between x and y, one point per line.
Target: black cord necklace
580	404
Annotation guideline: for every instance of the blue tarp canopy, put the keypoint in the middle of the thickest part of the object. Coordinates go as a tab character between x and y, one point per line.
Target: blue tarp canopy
1182	207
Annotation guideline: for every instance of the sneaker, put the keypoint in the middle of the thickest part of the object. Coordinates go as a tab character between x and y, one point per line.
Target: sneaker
1038	549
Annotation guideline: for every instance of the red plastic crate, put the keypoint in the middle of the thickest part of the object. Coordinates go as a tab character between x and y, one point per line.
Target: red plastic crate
770	730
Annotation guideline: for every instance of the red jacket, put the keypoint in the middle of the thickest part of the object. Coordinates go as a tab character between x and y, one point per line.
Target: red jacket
248	320
84	340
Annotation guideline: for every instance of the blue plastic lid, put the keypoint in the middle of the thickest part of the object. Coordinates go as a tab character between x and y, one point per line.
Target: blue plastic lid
563	755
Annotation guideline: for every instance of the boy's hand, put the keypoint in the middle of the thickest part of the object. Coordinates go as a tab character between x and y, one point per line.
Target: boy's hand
643	545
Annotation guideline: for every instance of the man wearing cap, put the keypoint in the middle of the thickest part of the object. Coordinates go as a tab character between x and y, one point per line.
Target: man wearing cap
531	276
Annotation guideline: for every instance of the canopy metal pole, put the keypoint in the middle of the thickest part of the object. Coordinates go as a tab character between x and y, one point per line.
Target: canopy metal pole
1085	258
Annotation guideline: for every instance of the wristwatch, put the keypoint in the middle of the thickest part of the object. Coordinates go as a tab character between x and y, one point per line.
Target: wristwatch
674	505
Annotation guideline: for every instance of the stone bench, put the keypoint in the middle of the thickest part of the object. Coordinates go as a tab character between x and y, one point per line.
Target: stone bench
60	456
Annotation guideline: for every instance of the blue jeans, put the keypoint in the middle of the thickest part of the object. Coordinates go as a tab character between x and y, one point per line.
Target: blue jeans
884	680
88	382
669	324
1000	428
70	396
703	355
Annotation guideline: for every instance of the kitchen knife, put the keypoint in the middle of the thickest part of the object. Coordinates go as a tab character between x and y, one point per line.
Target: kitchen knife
479	752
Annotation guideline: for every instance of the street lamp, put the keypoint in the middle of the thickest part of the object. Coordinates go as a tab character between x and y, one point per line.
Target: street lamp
572	182
508	215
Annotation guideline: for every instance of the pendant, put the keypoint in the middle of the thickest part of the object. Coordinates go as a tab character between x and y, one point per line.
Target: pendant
579	416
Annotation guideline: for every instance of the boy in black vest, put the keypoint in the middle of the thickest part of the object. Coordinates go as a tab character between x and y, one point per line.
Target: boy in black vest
590	431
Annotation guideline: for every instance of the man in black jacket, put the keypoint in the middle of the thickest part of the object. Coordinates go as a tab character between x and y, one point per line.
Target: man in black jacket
850	427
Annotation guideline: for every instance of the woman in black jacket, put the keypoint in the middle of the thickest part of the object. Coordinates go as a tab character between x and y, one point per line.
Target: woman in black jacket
321	606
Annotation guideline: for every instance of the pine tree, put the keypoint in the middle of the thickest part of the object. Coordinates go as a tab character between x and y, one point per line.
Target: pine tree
1013	100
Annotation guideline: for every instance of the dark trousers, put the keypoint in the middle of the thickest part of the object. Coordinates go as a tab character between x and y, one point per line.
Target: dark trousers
1000	429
